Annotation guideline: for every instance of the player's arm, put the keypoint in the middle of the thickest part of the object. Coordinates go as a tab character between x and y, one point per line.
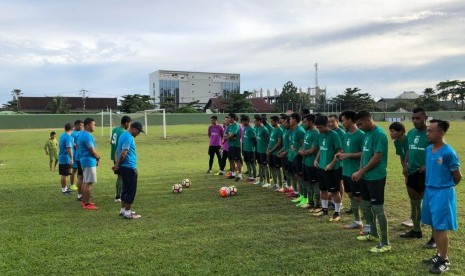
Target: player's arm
121	158
457	176
94	153
311	150
275	147
317	159
70	153
330	166
46	149
209	132
374	161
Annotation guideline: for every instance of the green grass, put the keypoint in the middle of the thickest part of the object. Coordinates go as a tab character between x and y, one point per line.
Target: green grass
258	232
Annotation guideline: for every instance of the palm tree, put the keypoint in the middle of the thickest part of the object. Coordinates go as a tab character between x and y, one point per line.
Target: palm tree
16	93
58	105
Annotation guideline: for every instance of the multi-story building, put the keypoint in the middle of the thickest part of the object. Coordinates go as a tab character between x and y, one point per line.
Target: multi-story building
185	87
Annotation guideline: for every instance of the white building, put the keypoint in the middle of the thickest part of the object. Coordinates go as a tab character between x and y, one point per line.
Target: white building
187	87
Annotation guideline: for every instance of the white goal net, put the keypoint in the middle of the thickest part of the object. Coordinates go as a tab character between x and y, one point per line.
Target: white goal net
154	120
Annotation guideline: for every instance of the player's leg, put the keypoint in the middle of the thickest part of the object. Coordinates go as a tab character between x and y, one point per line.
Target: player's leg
377	198
130	188
333	188
211	154
352	189
323	187
370	230
79	179
415	189
89	177
63	170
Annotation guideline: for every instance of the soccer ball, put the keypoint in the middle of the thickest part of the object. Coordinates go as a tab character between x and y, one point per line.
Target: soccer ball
224	191
232	190
186	183
177	188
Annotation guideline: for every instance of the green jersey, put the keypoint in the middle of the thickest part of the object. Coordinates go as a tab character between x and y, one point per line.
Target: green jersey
52	147
340	132
286	139
329	144
401	147
310	140
115	134
417	143
248	141
268	127
352	143
375	142
276	134
296	142
234	142
263	137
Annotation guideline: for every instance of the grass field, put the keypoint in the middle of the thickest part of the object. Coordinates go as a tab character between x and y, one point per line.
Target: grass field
258	232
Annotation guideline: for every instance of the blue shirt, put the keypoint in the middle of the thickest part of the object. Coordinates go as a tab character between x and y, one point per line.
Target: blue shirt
126	142
440	165
65	142
85	142
75	135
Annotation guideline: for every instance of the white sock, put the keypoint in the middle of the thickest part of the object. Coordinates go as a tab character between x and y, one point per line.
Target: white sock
63	189
127	212
122	210
324	203
79	195
337	207
233	174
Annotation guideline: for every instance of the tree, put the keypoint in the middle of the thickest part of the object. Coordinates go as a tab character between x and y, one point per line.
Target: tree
58	105
404	104
135	103
169	104
238	103
452	90
354	100
11	105
16	93
188	108
429	100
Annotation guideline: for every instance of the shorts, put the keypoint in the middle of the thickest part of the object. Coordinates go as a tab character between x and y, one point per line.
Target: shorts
310	174
129	177
329	180
64	169
297	166
53	156
416	181
212	150
234	154
89	174
79	168
275	161
249	156
440	208
351	186
262	158
373	190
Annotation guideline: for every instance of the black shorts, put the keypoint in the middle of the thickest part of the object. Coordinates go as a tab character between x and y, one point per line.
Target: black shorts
310	174
350	186
297	166
262	158
64	169
129	177
416	181
373	190
275	161
212	150
329	180
249	156
234	154
79	168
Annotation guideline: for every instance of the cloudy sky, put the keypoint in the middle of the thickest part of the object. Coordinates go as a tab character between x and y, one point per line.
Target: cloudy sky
109	47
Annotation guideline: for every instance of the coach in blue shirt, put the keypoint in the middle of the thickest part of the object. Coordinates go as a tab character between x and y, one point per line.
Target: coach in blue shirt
65	157
127	167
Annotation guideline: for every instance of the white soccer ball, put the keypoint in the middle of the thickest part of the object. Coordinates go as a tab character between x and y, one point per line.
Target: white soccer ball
186	183
232	190
177	188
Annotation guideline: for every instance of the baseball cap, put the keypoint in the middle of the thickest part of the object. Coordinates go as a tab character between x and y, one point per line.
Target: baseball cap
137	126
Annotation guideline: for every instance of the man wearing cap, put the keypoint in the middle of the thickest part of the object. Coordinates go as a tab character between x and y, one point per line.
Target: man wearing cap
126	166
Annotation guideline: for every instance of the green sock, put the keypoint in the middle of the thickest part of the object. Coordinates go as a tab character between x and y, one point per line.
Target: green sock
294	182
254	170
301	187
367	211
355	208
279	176
316	194
306	186
416	206
119	185
383	224
274	175
412	210
267	173
260	173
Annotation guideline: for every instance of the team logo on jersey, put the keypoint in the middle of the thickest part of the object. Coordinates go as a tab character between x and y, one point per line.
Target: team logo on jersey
324	143
348	142
439	161
417	139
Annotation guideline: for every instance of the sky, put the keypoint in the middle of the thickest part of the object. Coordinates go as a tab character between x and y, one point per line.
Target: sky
50	48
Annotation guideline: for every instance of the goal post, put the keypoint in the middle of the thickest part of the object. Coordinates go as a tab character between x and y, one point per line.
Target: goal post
163	119
142	117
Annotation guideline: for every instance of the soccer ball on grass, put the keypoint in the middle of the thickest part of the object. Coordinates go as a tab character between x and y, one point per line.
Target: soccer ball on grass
186	183
177	188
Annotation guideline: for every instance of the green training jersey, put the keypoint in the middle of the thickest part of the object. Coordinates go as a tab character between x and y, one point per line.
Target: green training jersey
375	142
401	147
310	140
268	127
329	143
234	142
248	141
52	147
340	132
263	138
352	143
417	143
276	134
286	139
115	134
296	142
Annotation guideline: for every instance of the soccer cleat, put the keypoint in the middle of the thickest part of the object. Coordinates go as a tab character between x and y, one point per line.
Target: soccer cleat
74	188
411	234
440	265
305	206
258	183
238	178
66	192
266	185
336	217
89	206
323	212
132	216
316	210
431	244
366	229
250	180
304	201
220	173
299	199
367	237
381	248
434	260
209	171
117	199
352	225
407	223
231	177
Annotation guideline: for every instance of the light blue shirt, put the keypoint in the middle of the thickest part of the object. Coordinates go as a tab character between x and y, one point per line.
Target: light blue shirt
126	142
75	135
440	165
85	142
65	142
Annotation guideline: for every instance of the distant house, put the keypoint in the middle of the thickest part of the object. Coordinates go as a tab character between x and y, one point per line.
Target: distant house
259	105
387	103
39	104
